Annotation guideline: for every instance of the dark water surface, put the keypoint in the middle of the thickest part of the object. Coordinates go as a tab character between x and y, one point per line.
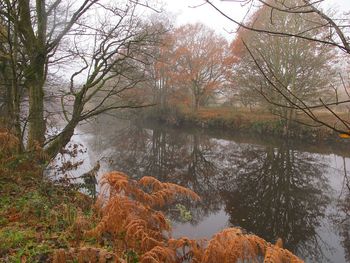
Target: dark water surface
274	189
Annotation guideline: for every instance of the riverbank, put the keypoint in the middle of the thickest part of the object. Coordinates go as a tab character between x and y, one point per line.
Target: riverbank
42	220
40	217
253	123
37	216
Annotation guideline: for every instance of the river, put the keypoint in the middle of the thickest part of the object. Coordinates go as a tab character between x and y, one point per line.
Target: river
272	188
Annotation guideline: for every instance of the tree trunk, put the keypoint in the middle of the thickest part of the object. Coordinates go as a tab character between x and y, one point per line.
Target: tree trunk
36	116
64	137
15	113
35	84
196	103
12	101
290	118
61	141
35	44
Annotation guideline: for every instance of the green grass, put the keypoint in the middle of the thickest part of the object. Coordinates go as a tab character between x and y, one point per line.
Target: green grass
36	217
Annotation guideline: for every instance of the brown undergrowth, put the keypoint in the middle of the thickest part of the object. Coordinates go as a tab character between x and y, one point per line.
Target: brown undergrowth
128	216
9	145
12	159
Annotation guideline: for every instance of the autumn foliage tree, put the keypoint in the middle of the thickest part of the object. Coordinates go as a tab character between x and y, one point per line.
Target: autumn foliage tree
201	62
192	66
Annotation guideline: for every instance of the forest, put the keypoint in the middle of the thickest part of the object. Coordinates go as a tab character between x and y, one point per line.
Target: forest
120	127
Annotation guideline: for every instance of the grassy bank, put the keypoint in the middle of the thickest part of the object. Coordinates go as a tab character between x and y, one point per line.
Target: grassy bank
38	216
253	122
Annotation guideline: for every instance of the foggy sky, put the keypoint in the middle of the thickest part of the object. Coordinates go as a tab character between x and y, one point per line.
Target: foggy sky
191	11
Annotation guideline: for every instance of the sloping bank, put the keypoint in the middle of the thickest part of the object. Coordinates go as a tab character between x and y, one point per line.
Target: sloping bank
257	123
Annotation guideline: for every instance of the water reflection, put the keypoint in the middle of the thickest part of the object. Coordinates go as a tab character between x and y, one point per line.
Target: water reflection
345	225
179	158
270	190
342	218
280	192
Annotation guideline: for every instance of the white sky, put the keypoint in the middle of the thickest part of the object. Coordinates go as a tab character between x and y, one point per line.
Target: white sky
185	12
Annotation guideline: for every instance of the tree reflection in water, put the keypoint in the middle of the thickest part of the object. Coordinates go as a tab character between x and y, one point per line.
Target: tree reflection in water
172	157
342	217
279	193
272	191
344	224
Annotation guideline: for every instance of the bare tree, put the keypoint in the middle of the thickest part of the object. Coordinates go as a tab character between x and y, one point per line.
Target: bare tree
159	88
337	36
299	71
101	47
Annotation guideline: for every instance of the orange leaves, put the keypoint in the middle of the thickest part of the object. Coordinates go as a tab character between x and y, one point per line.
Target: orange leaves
231	245
128	214
276	254
198	62
344	136
9	144
84	254
159	254
156	193
118	181
163	193
188	249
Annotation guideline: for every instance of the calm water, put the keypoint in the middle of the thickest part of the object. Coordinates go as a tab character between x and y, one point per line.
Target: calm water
270	188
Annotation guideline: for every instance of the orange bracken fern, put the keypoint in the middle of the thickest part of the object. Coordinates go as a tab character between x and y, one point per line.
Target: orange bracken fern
231	245
8	144
127	214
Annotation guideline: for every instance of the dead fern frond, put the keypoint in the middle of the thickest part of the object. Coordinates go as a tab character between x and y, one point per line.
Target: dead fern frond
116	181
231	245
276	254
128	213
155	184
159	254
9	144
188	249
164	193
85	255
